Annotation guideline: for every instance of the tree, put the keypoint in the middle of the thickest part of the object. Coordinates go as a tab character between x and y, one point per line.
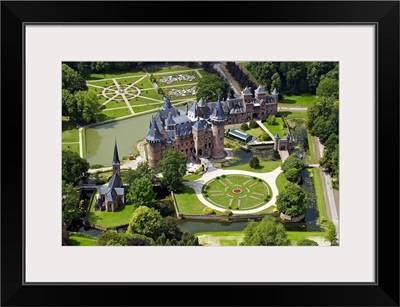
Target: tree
72	80
271	120
87	105
100	66
328	87
253	124
330	233
265	137
307	242
244	127
146	221
292	174
292	162
268	232
141	192
254	162
143	170
173	168
210	87
115	238
73	167
292	200
70	203
276	83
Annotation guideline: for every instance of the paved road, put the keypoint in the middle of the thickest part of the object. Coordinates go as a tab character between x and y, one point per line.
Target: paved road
237	93
212	173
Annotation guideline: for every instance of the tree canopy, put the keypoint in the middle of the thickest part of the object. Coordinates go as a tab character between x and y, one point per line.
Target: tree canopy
268	232
72	80
173	168
141	192
292	200
81	106
146	221
143	170
210	87
292	162
70	203
73	167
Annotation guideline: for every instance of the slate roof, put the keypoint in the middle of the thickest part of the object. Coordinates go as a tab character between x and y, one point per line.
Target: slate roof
154	134
201	102
260	90
184	129
181	119
275	92
218	114
200	124
246	91
115	181
115	157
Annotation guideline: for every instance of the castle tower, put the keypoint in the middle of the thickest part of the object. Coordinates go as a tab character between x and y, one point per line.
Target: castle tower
276	142
247	95
116	165
198	131
275	94
201	104
154	138
218	120
260	93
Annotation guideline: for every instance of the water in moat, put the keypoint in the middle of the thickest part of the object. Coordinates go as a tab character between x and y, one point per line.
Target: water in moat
100	139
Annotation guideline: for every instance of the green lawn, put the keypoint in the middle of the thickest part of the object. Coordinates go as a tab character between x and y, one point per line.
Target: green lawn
111	114
102	83
253	192
116	75
141	100
111	219
70	135
151	106
192	177
162	70
82	241
203	72
289	114
277	127
150	94
84	142
115	104
94	89
127	80
144	83
71	147
311	148
257	132
265	166
188	203
192	98
298	100
281	182
295	236
314	172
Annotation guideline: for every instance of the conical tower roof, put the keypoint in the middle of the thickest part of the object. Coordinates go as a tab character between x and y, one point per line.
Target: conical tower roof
167	104
154	134
218	114
115	157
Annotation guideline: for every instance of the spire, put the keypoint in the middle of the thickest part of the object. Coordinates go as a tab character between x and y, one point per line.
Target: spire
167	104
154	134
275	92
115	158
218	114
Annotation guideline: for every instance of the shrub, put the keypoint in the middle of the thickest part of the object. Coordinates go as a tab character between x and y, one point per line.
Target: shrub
227	212
254	162
254	178
94	166
253	124
259	180
223	176
244	127
271	120
217	177
208	211
265	137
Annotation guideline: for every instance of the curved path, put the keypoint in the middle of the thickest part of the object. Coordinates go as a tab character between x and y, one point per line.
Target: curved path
269	177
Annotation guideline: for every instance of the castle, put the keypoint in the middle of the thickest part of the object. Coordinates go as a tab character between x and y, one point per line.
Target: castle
199	131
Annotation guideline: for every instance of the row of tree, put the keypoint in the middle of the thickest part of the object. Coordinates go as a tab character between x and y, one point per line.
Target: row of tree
240	76
293	78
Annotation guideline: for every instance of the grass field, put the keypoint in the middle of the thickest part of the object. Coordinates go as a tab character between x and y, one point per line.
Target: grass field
144	83
257	132
127	81
151	106
115	104
82	241
111	219
94	77
298	100
281	182
71	147
295	236
188	203
289	114
314	172
150	94
115	113
265	166
277	127
252	192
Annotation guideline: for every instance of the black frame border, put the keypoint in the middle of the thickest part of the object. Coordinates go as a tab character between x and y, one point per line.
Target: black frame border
16	14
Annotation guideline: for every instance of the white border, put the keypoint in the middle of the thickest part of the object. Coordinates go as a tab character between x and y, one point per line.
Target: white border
48	45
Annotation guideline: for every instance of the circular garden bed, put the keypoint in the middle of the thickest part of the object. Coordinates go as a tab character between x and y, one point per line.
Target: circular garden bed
237	192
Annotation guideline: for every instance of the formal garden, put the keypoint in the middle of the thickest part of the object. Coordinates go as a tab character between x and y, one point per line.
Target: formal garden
237	192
